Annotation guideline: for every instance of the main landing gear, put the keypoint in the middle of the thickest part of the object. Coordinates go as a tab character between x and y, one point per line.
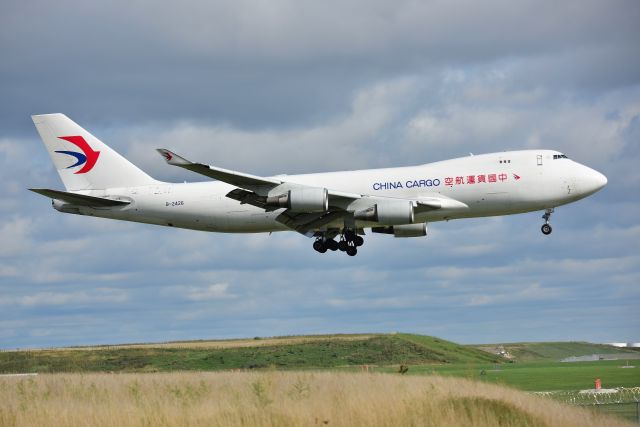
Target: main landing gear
349	243
546	228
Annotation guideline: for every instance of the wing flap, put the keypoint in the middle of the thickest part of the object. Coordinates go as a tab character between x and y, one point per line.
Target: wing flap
305	223
250	198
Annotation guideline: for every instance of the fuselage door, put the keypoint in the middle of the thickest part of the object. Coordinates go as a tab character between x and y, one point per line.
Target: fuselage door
539	159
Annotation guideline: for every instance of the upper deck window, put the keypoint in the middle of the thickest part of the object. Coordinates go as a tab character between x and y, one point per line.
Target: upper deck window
559	156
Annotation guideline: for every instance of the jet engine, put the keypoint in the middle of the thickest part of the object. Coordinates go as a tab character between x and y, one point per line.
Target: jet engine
406	230
388	212
302	200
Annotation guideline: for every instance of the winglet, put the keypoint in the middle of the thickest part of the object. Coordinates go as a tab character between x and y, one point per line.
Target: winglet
239	179
172	158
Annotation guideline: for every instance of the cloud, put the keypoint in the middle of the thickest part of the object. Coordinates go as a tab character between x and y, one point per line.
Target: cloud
290	87
16	231
254	65
381	129
204	293
290	150
90	297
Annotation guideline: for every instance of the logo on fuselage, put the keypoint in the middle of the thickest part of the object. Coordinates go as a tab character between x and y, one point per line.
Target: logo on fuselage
88	157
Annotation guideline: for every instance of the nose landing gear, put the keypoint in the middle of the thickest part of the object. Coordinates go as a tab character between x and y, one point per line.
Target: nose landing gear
546	228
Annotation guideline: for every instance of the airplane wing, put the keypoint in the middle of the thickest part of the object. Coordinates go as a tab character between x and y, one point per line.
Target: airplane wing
255	190
258	185
238	179
78	199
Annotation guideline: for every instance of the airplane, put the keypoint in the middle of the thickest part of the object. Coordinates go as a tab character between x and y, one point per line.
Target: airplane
397	201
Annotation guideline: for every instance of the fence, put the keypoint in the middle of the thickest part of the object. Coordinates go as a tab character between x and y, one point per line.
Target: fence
628	410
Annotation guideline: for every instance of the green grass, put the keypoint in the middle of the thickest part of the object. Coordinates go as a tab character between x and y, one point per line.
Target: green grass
449	351
541	376
377	350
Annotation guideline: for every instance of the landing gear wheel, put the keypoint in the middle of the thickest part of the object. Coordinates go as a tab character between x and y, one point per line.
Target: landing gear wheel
358	240
349	235
331	244
343	245
319	246
352	251
546	228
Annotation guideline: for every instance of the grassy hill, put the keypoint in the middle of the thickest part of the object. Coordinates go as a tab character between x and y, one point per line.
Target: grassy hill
282	353
547	351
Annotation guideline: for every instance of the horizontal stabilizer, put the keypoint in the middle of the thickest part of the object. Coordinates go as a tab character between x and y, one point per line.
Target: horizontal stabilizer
78	199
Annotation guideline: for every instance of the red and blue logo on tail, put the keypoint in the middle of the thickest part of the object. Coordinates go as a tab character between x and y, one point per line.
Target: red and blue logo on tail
88	157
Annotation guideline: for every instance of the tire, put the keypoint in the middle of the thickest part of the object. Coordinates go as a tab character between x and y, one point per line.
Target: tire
332	245
352	251
319	246
359	241
343	245
546	229
349	235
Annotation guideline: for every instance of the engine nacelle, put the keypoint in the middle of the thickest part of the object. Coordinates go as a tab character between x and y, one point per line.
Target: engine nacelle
65	207
406	230
388	212
302	200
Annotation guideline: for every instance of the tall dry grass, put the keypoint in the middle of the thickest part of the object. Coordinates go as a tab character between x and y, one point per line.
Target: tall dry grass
275	399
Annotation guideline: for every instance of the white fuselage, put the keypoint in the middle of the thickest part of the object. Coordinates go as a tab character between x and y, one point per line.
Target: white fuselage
489	184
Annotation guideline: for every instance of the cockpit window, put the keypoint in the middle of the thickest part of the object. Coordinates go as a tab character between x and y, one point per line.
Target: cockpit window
559	156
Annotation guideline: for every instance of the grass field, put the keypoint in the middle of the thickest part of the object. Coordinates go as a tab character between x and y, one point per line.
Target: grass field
542	376
281	353
378	352
277	399
308	380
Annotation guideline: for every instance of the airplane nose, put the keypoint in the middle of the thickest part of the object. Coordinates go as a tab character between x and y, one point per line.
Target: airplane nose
593	181
601	180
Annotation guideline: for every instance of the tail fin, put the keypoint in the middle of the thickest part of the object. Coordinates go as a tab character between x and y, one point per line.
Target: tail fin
82	160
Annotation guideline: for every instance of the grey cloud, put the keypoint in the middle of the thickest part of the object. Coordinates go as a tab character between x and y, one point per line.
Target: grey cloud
284	62
381	130
215	291
341	143
93	296
298	87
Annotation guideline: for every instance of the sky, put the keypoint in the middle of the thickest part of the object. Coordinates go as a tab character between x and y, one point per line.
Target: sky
288	86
